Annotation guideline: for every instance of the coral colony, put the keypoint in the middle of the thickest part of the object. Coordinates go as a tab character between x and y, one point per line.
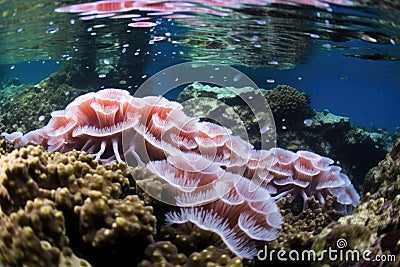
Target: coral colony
212	173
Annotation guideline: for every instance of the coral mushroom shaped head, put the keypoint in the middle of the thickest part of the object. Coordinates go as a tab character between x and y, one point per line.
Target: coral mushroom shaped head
305	174
219	181
93	123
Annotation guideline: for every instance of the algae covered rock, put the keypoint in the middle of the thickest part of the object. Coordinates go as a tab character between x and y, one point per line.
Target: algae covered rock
372	229
384	179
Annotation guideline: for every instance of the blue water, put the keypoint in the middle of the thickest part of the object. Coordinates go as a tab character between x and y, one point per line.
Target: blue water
366	91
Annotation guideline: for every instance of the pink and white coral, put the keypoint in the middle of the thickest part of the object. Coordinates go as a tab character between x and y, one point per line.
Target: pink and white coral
219	181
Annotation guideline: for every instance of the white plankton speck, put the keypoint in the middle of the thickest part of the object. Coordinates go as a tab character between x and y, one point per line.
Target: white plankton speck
308	122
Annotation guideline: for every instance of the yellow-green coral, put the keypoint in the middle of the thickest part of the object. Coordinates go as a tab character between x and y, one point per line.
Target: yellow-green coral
115	219
165	253
46	193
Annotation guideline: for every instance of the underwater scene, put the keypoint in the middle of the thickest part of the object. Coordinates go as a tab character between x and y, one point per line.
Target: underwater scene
200	133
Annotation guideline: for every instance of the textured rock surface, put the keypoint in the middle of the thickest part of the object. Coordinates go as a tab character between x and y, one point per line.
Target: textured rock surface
384	179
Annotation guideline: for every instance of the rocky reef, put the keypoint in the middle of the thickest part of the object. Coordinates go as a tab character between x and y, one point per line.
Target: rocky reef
68	209
374	227
299	127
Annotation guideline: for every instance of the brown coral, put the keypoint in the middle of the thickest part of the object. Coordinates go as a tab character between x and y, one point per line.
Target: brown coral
46	195
35	236
165	253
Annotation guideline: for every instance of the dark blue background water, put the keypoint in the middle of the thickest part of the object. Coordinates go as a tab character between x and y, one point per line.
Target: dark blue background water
367	91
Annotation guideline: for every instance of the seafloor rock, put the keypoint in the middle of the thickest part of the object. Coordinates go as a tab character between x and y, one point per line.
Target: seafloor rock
35	236
384	179
373	227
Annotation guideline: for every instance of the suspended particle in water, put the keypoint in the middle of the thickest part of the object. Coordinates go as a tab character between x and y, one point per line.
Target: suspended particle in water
106	61
283	127
142	24
308	122
261	22
52	30
273	62
102	75
270	81
327	46
314	35
19	30
71	21
368	38
392	41
41	118
237	77
12	67
264	129
99	26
